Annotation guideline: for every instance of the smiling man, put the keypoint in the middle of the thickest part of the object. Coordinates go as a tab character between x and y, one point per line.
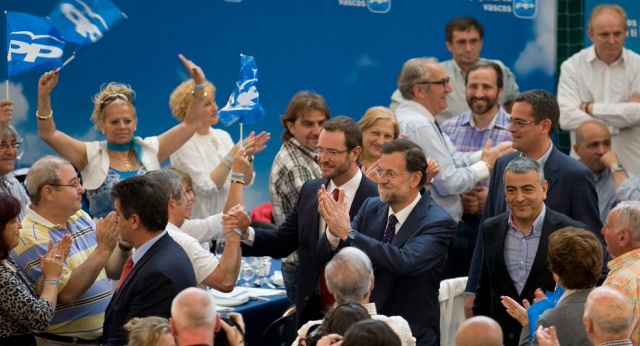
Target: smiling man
8	152
424	85
515	260
464	37
603	82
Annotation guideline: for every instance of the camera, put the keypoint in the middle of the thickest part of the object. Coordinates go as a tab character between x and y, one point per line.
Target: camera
220	338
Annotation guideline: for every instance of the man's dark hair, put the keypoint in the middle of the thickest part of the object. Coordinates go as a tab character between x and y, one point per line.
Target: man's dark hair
544	106
488	65
371	333
302	102
462	24
348	126
142	196
416	161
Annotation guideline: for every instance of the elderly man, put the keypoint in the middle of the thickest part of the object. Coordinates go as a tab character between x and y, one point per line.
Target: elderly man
622	234
194	319
405	234
515	243
608	317
8	152
479	331
424	85
221	275
338	148
83	288
350	279
294	164
464	40
468	132
603	82
613	183
571	186
159	268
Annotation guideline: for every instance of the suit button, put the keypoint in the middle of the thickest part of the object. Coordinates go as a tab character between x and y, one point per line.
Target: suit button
510	335
306	297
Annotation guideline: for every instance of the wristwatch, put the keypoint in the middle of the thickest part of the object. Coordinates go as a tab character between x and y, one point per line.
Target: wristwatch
350	237
617	168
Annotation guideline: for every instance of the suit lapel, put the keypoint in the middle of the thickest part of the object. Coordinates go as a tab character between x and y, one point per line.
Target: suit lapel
551	168
378	221
539	262
361	195
311	211
500	238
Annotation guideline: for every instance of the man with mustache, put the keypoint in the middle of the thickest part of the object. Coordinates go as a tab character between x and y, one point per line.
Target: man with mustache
469	131
515	242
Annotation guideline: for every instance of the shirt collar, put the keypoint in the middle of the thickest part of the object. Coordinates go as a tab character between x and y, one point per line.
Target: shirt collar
137	255
543	159
420	108
297	144
491	124
632	255
403	214
33	215
172	227
350	187
537	223
592	56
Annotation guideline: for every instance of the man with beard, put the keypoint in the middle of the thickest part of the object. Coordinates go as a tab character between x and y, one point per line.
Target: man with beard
405	234
339	145
470	131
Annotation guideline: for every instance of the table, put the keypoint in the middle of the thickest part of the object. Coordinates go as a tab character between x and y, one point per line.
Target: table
258	315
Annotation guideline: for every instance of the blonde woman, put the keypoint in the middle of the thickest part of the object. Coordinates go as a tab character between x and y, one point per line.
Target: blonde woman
149	331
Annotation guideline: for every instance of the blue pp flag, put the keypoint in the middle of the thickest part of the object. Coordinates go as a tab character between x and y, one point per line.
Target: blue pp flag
536	309
243	103
84	22
33	43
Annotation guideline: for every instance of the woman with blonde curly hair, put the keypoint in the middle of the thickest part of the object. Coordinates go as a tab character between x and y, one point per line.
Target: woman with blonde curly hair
208	155
103	163
149	331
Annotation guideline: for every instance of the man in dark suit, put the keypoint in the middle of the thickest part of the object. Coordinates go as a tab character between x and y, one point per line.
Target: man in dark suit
571	191
338	148
405	234
159	268
515	242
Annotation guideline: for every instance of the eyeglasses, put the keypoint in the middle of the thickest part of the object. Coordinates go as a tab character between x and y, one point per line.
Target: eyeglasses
74	185
107	100
330	153
15	145
387	174
519	123
442	82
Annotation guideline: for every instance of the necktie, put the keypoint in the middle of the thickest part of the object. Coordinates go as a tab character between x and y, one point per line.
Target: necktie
125	271
326	298
390	231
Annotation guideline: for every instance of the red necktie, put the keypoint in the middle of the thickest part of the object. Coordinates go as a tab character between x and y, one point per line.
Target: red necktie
326	298
125	271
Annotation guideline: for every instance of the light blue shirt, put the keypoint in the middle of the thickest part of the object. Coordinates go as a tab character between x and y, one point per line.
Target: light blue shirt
137	255
520	250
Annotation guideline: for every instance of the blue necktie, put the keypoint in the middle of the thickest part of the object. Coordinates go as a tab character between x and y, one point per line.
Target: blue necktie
390	231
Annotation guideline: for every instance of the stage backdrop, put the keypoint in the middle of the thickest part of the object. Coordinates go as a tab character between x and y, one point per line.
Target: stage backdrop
350	51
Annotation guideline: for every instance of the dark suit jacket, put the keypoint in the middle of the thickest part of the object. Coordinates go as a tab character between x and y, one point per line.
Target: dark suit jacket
495	280
154	281
409	269
572	192
300	231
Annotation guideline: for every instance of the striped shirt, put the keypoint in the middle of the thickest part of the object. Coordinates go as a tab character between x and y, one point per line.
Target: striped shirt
84	317
9	184
292	167
624	275
466	136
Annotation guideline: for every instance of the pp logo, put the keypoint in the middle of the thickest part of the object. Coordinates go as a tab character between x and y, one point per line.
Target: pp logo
525	8
379	6
34	50
83	25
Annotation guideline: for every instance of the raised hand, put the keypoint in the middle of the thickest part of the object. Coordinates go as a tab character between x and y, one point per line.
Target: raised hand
255	144
334	213
47	82
194	70
107	232
547	336
53	260
515	310
6	113
240	162
370	172
432	169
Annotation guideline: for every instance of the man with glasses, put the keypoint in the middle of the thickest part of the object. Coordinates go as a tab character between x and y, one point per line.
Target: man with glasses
572	190
424	85
339	145
405	234
83	288
8	152
464	40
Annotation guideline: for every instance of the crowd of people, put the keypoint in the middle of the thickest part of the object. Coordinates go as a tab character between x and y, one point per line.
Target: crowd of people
459	177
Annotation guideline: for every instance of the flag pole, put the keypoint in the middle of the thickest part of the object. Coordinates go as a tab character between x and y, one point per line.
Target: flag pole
241	142
6	82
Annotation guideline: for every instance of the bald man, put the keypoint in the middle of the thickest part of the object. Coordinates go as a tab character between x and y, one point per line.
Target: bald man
479	331
613	183
194	319
607	319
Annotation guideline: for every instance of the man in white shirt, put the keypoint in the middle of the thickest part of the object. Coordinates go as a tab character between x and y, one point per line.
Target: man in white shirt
221	275
424	85
464	40
603	82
